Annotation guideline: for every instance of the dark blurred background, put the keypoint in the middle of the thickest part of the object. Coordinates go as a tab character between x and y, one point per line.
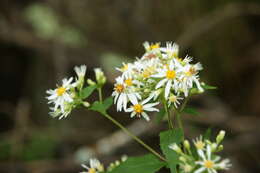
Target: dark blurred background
41	42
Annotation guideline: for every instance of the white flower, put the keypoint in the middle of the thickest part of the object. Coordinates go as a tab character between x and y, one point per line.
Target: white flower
199	143
80	71
122	93
174	99
168	75
176	148
127	70
189	77
171	49
151	47
95	166
61	114
138	109
210	164
61	95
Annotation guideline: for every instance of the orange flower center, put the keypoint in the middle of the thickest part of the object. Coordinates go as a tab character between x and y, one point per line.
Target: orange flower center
138	108
119	88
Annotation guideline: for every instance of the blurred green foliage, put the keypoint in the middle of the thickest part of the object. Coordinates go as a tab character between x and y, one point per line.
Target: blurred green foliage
47	25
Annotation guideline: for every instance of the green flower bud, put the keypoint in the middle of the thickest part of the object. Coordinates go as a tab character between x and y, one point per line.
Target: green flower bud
186	144
220	136
91	82
86	104
100	77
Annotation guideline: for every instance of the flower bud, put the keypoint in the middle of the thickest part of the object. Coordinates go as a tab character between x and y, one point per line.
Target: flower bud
176	148
100	77
220	148
86	104
186	144
91	82
220	136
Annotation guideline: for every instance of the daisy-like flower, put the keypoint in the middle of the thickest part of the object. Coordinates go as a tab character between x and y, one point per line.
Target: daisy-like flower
139	108
123	93
61	95
171	50
61	114
174	99
80	71
199	143
209	163
152	47
168	75
126	69
94	167
189	77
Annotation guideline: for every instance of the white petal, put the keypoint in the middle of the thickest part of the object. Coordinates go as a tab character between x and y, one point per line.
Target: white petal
146	117
200	170
168	88
161	83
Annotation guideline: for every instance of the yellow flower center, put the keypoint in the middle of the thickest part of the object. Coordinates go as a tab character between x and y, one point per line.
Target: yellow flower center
138	108
154	46
60	91
199	145
170	74
173	98
191	71
119	88
125	67
208	164
129	82
92	170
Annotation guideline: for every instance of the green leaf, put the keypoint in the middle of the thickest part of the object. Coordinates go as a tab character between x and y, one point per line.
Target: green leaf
107	102
209	87
102	107
190	110
86	92
207	134
167	138
160	115
144	164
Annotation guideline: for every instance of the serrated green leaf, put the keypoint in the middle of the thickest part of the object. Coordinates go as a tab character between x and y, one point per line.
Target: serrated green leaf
160	115
167	138
86	92
190	110
144	164
209	87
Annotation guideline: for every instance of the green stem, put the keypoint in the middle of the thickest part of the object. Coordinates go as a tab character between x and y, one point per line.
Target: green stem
178	115
168	116
100	94
134	137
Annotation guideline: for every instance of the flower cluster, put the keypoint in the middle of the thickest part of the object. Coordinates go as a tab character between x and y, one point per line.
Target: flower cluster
205	157
96	167
68	96
160	75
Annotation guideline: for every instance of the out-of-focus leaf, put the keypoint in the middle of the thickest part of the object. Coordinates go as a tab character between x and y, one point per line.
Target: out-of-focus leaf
191	111
86	92
167	138
144	164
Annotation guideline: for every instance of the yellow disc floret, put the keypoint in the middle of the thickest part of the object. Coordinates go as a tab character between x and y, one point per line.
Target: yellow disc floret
124	68
129	82
119	88
192	71
199	145
138	108
208	164
60	91
92	170
170	74
154	46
